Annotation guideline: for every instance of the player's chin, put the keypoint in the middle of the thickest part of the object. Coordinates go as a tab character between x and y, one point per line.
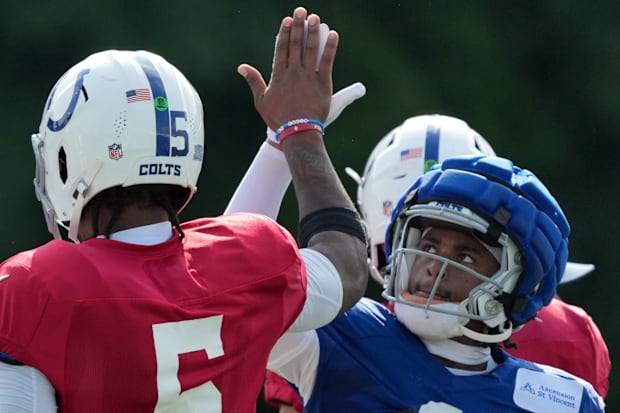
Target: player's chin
422	299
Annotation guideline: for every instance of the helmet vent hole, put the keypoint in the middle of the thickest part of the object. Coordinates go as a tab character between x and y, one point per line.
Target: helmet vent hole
191	121
62	165
120	124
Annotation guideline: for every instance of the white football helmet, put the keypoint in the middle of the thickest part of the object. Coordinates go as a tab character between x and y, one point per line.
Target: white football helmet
404	154
117	118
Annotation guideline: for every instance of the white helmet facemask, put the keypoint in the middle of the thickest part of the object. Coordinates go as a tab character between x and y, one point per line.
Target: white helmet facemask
430	317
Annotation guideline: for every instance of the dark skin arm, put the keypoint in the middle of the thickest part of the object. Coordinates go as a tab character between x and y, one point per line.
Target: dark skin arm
297	90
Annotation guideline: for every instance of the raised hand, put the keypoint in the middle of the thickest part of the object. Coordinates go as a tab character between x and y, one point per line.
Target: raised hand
296	88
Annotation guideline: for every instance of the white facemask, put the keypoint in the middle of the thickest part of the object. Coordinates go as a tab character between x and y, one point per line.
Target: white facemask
431	324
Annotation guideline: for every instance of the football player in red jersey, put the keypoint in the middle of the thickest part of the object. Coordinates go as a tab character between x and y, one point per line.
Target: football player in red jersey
143	313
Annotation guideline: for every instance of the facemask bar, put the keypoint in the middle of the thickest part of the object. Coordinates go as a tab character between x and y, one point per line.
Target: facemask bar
39	187
482	302
404	259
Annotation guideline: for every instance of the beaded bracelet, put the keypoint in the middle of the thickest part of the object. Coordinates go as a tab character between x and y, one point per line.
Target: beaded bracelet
296	126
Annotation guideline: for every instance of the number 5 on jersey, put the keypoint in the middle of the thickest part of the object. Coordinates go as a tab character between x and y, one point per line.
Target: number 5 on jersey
173	339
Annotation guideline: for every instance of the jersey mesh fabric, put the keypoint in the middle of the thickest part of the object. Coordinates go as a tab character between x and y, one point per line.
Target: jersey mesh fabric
119	327
369	362
566	338
278	391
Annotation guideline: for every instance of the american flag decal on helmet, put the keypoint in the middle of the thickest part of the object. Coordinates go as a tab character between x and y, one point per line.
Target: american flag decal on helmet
410	153
137	95
115	151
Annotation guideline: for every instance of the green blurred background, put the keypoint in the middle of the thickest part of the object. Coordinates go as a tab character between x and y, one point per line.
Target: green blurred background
538	79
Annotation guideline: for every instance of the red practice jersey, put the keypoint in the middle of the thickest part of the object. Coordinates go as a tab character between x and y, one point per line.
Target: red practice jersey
566	338
278	391
175	327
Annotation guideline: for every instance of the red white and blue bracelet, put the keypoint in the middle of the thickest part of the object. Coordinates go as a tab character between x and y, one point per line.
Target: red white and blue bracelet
296	126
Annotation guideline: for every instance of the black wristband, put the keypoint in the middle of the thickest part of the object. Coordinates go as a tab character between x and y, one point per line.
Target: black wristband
331	219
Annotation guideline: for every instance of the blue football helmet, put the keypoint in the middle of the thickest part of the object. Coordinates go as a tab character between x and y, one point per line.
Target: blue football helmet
504	206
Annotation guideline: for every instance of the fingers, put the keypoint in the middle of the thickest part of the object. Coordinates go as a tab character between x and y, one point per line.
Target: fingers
290	41
296	44
312	44
296	88
301	41
280	56
323	32
329	54
255	81
344	98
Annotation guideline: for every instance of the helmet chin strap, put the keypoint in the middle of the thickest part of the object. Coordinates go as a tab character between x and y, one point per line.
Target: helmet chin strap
78	195
441	321
487	305
486	337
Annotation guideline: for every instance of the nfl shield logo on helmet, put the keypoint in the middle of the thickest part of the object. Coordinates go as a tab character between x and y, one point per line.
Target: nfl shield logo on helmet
387	208
115	151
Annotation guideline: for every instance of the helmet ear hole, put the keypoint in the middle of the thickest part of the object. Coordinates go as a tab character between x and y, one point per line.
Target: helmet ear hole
62	165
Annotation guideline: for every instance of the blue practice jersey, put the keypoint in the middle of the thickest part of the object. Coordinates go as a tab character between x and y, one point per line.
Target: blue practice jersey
370	362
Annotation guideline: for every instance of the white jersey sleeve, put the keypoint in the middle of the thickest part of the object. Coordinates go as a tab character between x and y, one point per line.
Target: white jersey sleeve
296	358
324	292
296	354
264	184
261	191
24	389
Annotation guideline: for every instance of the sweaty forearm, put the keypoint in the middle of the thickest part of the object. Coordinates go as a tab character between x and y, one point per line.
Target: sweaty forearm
317	185
341	236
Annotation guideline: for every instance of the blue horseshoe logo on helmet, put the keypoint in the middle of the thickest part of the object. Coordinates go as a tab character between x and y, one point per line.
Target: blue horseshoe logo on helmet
56	125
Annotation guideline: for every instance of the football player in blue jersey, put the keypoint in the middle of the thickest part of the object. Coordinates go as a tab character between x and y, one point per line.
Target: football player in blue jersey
566	337
476	247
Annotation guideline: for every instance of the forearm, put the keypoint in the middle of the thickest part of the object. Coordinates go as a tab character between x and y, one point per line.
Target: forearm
317	187
298	96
